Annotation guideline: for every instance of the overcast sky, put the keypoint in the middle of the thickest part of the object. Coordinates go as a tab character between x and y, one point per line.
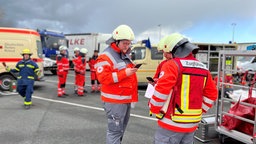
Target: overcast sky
200	20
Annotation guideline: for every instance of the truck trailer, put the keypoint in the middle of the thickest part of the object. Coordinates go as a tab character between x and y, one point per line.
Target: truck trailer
90	41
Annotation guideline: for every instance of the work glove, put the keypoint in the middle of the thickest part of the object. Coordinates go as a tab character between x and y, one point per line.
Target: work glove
38	73
7	69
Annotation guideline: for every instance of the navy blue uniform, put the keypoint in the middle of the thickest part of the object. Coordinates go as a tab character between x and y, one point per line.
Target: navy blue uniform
28	71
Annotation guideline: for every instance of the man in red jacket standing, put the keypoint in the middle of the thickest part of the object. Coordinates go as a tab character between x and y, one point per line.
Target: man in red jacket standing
116	73
94	79
80	69
184	91
62	70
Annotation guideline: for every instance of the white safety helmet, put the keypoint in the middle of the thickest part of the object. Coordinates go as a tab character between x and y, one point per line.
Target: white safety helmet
62	47
123	32
83	50
76	49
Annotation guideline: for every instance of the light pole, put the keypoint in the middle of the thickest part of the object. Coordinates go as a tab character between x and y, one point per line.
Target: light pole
233	32
159	31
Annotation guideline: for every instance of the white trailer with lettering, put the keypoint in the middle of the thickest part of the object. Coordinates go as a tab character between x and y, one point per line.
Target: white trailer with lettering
90	41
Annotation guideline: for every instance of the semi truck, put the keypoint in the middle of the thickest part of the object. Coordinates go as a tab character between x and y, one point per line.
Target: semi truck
12	42
90	41
51	40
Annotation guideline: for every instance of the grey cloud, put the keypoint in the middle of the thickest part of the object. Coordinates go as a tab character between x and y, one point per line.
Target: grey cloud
103	16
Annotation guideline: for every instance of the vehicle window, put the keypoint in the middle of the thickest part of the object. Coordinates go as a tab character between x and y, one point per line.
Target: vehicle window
155	54
39	49
139	53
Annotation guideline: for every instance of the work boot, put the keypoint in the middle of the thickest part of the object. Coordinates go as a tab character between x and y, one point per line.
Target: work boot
85	91
80	95
93	91
27	107
66	94
62	96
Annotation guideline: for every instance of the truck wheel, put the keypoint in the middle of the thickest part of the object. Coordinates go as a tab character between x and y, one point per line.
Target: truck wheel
5	81
221	138
54	72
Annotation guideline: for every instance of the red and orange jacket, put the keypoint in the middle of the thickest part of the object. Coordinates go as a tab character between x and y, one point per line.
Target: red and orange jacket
117	87
228	79
62	64
193	92
158	70
79	65
92	62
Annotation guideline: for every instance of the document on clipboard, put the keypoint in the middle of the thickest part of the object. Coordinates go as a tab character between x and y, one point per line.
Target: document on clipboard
149	91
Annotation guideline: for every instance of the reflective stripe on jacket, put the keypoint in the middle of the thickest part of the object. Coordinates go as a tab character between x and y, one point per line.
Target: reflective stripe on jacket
110	70
62	64
171	78
80	65
27	69
187	97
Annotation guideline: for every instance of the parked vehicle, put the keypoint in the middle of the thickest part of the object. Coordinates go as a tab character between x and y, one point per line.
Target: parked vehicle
51	40
12	42
90	41
208	54
149	58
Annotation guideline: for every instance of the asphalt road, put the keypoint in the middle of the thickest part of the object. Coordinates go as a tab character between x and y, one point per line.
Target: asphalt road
70	120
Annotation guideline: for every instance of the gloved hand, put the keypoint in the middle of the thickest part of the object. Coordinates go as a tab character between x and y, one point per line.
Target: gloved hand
7	69
38	73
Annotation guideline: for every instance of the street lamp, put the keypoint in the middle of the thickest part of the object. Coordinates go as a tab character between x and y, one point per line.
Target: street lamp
233	32
159	31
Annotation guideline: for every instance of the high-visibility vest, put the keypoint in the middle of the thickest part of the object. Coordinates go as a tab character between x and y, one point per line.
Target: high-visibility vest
110	70
188	95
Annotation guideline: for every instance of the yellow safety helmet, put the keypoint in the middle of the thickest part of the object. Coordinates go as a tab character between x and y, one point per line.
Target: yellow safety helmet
62	47
161	45
123	32
179	45
26	51
84	51
76	49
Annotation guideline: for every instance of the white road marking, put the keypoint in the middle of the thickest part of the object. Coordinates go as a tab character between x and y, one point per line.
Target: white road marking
8	93
70	83
89	107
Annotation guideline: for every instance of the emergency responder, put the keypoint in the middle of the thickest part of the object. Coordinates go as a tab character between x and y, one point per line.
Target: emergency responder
80	69
28	71
190	89
62	70
116	73
228	89
91	62
75	57
168	55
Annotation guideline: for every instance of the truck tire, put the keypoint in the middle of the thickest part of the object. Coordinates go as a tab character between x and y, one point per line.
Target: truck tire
54	72
5	81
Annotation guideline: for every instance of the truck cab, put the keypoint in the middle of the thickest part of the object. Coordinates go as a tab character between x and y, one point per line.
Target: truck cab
51	40
150	59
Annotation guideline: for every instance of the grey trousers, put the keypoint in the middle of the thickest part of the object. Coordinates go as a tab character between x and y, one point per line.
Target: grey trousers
118	116
164	136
